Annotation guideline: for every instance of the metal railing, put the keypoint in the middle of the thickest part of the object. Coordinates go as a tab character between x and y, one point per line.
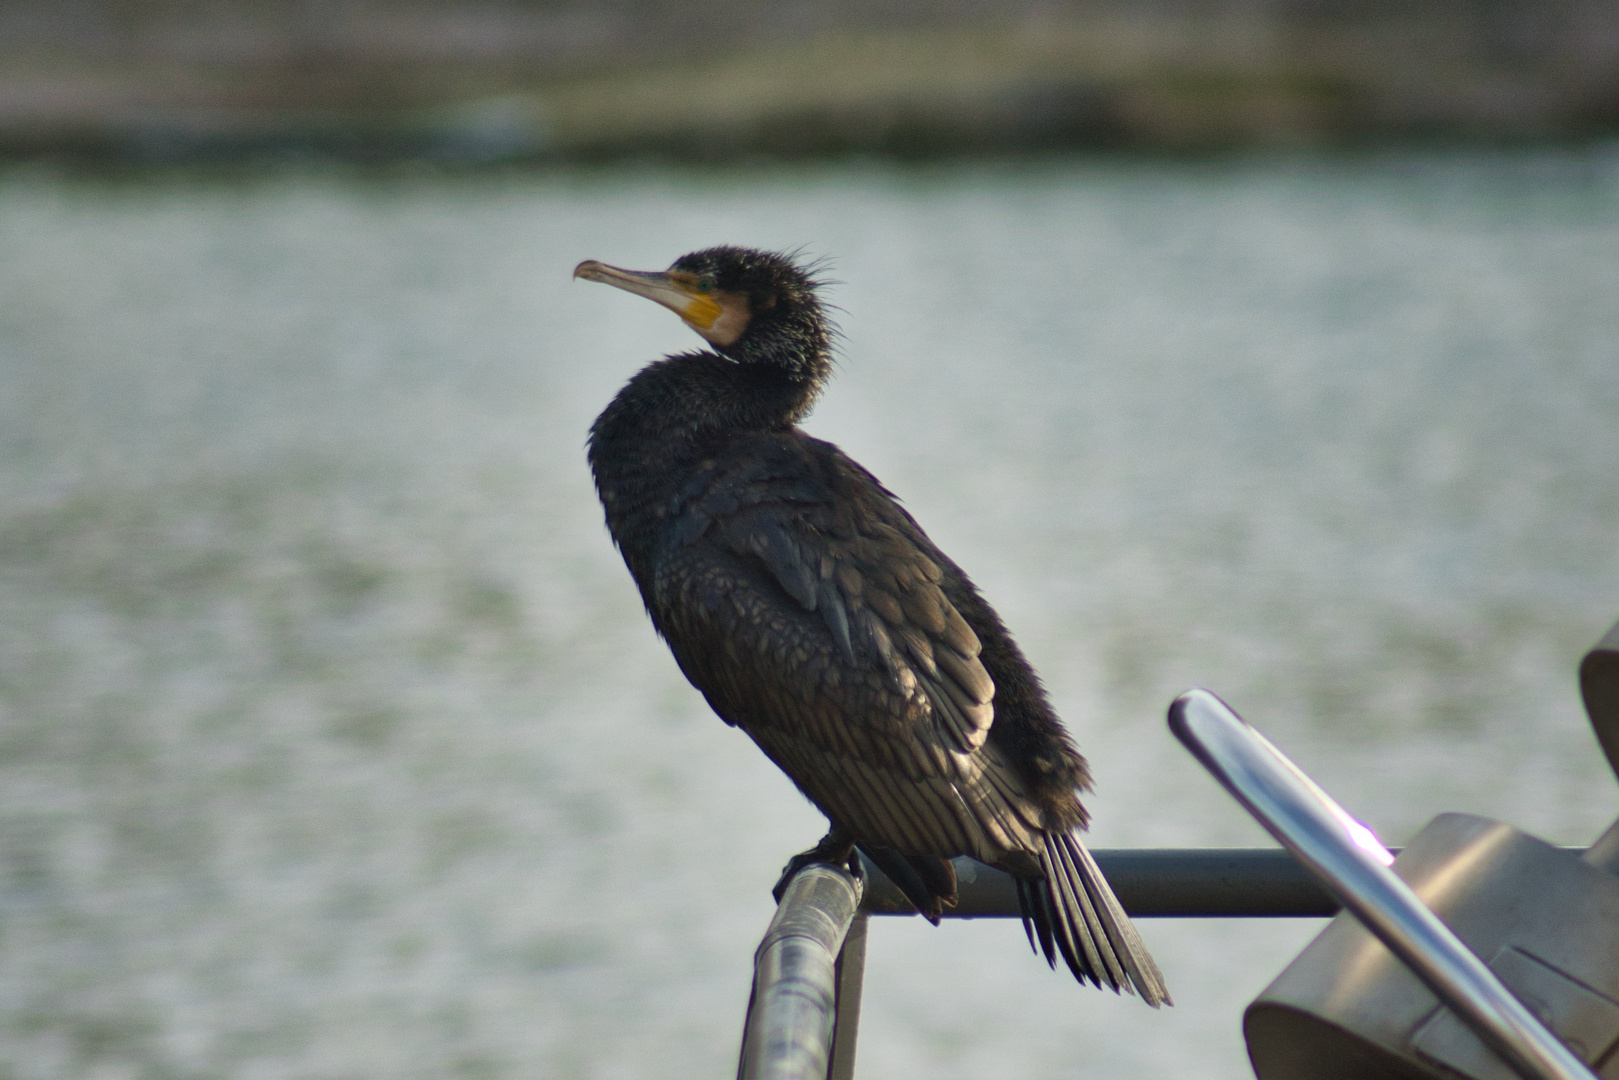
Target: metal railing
1349	859
804	1013
806	980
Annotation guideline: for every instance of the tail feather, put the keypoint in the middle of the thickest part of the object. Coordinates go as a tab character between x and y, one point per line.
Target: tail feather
1077	895
1138	962
1076	923
1023	906
1073	912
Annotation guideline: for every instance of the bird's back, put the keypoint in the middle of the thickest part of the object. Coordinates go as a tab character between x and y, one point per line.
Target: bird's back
813	612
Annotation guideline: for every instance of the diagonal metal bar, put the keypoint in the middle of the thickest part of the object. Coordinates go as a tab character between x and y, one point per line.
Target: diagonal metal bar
1350	861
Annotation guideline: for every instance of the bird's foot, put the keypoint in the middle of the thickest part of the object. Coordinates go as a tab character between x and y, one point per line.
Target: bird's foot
835	848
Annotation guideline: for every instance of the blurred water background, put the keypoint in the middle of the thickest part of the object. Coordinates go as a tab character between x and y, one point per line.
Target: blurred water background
334	742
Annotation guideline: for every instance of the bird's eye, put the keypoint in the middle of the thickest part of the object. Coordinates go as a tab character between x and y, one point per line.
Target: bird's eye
705	285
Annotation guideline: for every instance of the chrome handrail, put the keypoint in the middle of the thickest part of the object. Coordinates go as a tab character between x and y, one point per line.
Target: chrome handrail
790	1029
1354	866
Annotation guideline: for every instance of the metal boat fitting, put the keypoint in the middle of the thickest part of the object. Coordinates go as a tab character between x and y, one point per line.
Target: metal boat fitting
1544	919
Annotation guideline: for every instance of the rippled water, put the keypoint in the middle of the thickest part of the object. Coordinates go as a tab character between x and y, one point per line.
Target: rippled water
334	743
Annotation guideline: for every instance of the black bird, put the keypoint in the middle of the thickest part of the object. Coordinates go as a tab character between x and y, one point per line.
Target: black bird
813	613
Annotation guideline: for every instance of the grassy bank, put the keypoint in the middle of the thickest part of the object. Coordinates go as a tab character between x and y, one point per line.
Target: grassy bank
1176	76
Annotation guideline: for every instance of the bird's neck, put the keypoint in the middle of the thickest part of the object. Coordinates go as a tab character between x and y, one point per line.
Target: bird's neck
671	415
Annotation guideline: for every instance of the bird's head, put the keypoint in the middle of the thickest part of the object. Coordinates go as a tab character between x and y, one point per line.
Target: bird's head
751	305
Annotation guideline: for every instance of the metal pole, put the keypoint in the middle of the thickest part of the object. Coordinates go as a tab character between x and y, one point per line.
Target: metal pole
789	1030
851	983
1350	861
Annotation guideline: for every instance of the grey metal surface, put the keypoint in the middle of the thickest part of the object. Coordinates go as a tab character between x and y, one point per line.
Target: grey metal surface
851	975
1604	853
1585	1020
1354	865
1547	920
789	1030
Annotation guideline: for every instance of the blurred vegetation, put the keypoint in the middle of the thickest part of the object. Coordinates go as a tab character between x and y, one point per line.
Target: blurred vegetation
591	79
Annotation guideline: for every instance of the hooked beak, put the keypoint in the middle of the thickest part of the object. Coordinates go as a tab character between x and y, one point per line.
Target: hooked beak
674	289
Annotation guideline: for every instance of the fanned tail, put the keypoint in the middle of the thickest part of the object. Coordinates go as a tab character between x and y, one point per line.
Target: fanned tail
1073	913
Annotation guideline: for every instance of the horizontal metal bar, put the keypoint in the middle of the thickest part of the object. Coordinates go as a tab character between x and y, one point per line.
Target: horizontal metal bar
1163	883
1203	883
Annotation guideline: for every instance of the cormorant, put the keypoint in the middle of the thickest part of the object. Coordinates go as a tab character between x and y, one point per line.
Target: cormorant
814	613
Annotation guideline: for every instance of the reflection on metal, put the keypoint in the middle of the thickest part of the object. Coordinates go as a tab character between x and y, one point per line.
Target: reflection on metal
1349	860
789	1029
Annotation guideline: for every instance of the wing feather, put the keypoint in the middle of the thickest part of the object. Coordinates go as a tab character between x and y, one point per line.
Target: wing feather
812	614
